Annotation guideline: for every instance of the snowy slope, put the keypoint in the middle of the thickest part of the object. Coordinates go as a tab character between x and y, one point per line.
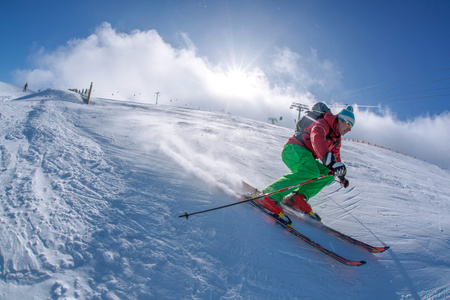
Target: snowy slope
9	92
90	198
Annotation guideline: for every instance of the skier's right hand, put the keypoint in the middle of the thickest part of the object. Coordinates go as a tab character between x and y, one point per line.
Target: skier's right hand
338	168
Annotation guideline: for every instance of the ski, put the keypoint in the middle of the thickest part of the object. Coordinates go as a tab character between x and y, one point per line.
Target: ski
304	238
330	230
347	238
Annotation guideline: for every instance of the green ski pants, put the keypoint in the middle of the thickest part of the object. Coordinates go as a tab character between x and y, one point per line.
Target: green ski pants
303	167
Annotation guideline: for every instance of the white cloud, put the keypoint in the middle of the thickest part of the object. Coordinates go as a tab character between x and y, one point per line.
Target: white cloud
135	66
304	72
424	137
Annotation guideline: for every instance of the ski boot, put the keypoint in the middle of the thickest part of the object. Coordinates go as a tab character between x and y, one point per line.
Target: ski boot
274	207
298	202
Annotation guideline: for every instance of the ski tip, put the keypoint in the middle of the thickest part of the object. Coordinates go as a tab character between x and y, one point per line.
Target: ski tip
353	263
380	249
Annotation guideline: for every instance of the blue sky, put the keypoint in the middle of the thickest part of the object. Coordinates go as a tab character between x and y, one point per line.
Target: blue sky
339	48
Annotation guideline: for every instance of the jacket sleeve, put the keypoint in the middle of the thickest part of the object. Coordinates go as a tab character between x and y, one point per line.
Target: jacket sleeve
337	150
320	144
319	139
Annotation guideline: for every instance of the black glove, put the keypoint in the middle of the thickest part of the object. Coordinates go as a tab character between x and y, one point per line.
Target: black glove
338	168
328	160
344	182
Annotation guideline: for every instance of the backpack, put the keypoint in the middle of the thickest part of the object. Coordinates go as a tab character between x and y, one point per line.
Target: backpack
317	112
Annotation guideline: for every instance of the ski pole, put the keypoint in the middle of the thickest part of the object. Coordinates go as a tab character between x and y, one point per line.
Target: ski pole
211	209
257	197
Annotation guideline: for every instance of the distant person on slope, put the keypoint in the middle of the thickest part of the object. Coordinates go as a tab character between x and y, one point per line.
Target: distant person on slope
25	87
320	140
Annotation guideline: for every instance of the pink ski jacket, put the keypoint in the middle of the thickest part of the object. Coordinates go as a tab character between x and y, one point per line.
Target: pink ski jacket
320	137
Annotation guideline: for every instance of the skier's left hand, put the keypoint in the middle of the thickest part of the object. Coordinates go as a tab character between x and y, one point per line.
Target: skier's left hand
344	182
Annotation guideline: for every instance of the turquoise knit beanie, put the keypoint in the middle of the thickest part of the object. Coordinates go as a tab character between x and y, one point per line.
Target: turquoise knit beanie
347	115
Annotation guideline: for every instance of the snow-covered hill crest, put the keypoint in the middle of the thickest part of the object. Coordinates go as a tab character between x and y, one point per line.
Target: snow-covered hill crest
9	92
90	198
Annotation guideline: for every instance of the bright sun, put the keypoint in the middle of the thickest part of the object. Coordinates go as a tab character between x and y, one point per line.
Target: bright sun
235	82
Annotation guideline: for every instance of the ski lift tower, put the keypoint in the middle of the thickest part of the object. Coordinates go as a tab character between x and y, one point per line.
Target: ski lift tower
300	107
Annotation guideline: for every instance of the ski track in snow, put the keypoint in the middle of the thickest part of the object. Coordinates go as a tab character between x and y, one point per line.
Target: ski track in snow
90	198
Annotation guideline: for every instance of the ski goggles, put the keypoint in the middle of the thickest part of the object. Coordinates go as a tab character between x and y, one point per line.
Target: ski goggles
349	125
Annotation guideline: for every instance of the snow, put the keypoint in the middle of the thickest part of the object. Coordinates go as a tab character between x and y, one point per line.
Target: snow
9	92
91	194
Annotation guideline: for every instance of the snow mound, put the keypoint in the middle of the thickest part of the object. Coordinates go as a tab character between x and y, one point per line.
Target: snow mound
9	91
52	94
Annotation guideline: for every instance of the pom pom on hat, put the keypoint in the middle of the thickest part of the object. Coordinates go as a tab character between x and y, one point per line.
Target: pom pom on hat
347	115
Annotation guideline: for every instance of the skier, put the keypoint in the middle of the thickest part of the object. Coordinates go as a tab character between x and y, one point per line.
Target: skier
25	87
320	140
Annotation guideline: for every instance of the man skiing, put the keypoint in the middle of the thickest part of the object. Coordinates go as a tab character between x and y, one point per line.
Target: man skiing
320	140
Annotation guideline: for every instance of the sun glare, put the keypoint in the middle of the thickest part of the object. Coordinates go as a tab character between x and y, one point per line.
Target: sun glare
235	82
